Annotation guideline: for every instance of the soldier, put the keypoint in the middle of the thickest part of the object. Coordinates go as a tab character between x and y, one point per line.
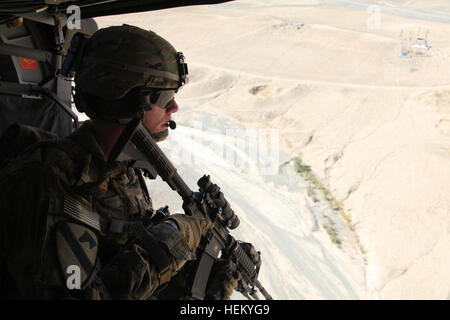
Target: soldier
72	223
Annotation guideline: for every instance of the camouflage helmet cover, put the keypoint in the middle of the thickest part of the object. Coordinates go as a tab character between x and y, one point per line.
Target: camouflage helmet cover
117	59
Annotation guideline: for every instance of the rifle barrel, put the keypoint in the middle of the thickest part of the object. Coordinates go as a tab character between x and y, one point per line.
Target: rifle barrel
262	290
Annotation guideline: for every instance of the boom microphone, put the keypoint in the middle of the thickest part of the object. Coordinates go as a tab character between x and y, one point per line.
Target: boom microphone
172	124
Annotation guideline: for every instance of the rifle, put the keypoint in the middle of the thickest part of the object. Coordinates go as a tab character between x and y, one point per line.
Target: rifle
136	143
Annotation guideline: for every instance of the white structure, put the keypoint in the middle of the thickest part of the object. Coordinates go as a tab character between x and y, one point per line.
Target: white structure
417	47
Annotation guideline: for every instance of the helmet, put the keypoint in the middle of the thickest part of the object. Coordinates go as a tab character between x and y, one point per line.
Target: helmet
117	60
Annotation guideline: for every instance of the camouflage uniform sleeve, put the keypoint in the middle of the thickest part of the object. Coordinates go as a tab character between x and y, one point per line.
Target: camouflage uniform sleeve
29	248
131	276
29	201
156	256
28	207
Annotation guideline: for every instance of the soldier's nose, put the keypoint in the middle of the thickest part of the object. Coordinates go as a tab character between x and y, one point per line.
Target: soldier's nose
172	107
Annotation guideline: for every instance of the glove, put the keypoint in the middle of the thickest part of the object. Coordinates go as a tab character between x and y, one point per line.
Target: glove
223	280
172	242
254	255
192	228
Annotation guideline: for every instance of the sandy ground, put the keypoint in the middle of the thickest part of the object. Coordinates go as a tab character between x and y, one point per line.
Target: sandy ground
374	125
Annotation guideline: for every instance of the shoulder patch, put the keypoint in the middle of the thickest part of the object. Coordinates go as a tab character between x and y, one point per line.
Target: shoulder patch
77	248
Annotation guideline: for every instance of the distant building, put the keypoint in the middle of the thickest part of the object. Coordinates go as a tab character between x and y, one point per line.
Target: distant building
421	43
418	47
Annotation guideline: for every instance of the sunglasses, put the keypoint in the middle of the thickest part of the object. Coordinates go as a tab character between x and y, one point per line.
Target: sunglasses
162	97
